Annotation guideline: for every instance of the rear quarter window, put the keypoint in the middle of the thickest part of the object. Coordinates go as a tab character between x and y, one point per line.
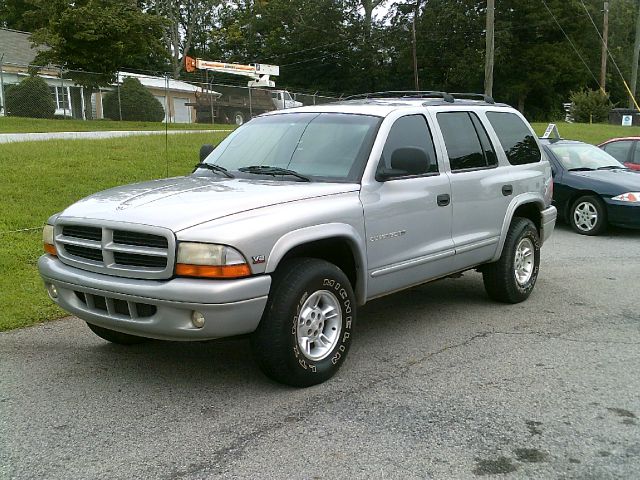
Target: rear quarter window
517	141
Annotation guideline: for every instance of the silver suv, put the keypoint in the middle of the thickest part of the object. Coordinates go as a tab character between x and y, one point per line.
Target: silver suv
301	216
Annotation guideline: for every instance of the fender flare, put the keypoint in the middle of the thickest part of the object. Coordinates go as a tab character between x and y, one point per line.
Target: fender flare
325	231
517	201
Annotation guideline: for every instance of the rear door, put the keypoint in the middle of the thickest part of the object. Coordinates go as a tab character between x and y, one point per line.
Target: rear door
480	188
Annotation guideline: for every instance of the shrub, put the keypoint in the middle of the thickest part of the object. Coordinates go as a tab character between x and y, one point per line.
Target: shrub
137	103
590	105
30	98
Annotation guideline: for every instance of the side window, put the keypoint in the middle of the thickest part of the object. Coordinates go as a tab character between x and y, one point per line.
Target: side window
518	142
619	150
461	139
409	147
489	153
636	154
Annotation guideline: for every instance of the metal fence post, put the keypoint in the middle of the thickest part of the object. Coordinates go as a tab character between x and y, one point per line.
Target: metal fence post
64	104
250	107
119	103
3	109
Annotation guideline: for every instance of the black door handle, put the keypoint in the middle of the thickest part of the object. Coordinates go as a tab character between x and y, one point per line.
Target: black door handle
443	200
507	190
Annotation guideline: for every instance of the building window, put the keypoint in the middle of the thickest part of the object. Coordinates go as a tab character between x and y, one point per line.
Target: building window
61	97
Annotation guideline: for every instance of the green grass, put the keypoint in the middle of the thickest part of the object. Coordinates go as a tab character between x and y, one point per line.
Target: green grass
594	134
32	125
41	178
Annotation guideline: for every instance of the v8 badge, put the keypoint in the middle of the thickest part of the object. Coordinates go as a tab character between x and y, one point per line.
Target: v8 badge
258	259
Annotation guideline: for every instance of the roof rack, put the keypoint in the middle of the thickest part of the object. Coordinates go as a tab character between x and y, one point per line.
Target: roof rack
471	96
404	94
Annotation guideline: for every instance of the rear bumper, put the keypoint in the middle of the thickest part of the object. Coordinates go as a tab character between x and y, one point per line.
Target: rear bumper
623	214
548	218
158	309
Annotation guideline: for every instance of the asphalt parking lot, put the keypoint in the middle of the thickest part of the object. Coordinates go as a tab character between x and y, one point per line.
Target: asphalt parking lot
440	383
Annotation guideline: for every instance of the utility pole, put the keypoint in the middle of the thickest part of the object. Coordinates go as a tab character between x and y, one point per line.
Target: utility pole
489	52
636	57
415	53
605	41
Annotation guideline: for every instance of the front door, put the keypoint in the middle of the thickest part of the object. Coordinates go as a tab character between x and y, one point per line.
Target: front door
408	217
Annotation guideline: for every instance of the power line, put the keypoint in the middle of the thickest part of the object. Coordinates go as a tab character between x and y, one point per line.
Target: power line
572	44
307	49
602	39
624	82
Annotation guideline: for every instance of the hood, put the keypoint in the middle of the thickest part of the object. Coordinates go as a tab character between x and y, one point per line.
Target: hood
616	180
182	202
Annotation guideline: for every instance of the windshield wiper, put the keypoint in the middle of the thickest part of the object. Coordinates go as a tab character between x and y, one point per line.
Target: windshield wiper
269	170
612	167
214	168
580	169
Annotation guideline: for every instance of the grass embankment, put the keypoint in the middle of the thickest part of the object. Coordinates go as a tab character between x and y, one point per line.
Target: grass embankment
36	125
41	178
594	134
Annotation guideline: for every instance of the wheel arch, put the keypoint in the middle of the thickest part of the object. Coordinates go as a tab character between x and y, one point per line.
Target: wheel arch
339	244
527	206
575	195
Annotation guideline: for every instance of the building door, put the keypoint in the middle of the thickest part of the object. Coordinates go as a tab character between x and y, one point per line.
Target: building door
182	111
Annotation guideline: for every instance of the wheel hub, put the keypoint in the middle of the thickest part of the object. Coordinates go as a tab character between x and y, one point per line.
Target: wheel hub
585	216
319	325
524	261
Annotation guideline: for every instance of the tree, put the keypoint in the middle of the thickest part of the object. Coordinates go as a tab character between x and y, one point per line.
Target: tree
134	103
20	15
95	38
186	22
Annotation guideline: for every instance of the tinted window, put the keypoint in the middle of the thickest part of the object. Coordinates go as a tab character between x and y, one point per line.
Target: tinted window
618	150
489	153
462	142
409	132
518	142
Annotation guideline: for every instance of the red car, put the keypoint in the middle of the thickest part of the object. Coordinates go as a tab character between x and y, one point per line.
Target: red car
626	150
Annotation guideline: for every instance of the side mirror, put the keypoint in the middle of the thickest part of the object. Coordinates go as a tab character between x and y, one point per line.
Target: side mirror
410	159
383	174
406	161
205	150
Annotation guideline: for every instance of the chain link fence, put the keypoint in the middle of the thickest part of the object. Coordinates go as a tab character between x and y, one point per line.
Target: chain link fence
54	92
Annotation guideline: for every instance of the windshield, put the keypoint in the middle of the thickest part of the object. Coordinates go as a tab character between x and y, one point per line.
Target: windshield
583	156
323	146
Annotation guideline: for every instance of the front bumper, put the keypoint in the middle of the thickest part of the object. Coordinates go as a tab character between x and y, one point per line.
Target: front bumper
547	222
159	309
623	214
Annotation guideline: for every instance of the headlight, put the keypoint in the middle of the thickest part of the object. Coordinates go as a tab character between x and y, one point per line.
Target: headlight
210	261
631	197
47	240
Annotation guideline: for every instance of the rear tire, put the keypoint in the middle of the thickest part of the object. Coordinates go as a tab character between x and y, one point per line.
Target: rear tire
239	118
511	279
116	337
306	329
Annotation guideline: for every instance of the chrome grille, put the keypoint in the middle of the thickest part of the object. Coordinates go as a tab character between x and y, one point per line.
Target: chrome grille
135	251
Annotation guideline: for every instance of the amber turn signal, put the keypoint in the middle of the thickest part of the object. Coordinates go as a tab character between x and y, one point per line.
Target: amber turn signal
50	249
210	271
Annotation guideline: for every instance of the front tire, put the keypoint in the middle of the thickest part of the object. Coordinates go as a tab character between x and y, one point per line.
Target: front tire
511	279
588	216
116	337
306	329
